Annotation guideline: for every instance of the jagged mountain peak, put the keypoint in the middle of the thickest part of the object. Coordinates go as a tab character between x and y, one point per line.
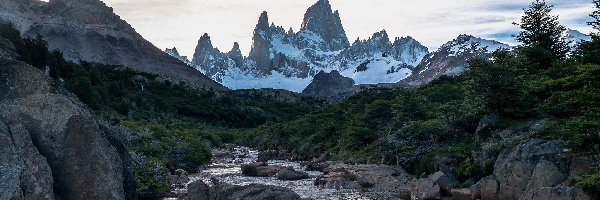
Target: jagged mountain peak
325	23
263	21
236	47
204	42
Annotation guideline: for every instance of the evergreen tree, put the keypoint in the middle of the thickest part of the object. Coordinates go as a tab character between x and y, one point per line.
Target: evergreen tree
596	16
543	30
588	52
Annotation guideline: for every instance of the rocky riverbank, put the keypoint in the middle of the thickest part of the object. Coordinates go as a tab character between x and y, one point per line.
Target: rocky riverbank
534	169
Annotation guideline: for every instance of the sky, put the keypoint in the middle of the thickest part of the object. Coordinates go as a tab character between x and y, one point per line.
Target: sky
180	23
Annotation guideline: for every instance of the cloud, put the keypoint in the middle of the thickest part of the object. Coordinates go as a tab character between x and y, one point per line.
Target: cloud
180	23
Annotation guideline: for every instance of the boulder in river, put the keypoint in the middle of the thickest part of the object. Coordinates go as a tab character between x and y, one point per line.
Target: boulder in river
260	169
289	174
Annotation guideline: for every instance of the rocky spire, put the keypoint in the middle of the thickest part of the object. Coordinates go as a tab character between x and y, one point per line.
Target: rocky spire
204	51
290	32
263	21
321	20
236	54
261	43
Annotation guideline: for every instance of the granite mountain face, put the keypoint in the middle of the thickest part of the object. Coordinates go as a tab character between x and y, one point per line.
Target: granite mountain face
285	59
89	30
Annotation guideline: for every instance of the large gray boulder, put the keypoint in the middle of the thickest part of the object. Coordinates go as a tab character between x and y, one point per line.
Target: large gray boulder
515	167
65	153
24	173
289	174
556	193
534	169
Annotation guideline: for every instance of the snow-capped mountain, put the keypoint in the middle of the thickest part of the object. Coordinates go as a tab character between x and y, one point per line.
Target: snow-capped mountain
289	60
575	37
452	58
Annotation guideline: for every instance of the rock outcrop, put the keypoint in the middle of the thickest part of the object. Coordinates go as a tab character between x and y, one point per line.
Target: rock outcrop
382	181
89	30
331	85
54	146
534	169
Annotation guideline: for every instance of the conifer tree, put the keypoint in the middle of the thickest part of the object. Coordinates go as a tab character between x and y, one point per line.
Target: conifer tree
542	30
588	52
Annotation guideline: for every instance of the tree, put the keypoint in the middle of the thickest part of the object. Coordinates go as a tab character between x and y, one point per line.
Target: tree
596	16
543	30
588	52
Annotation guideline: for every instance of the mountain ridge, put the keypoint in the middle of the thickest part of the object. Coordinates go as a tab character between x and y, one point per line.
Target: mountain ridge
89	30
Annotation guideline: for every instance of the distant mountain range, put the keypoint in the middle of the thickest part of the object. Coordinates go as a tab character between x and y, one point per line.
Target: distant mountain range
290	60
88	30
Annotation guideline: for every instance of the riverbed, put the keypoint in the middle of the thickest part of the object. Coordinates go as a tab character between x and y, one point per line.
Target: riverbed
225	167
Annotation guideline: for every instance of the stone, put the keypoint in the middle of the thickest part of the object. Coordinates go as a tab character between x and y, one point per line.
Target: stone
424	189
445	181
515	167
291	174
556	193
198	190
545	174
260	169
25	173
317	166
83	162
461	194
489	188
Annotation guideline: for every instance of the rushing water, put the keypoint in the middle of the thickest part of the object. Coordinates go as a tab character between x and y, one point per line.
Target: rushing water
226	168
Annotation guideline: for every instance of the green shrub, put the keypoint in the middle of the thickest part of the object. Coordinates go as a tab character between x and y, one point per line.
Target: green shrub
591	182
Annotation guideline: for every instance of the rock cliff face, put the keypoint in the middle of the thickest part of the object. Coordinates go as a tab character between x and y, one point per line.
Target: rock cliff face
322	21
52	147
89	30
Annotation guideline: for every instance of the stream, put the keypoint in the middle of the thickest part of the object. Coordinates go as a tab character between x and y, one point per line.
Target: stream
226	164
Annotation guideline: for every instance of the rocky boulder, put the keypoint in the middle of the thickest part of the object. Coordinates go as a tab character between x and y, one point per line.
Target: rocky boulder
382	181
25	172
64	152
260	169
290	174
424	189
534	169
556	193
